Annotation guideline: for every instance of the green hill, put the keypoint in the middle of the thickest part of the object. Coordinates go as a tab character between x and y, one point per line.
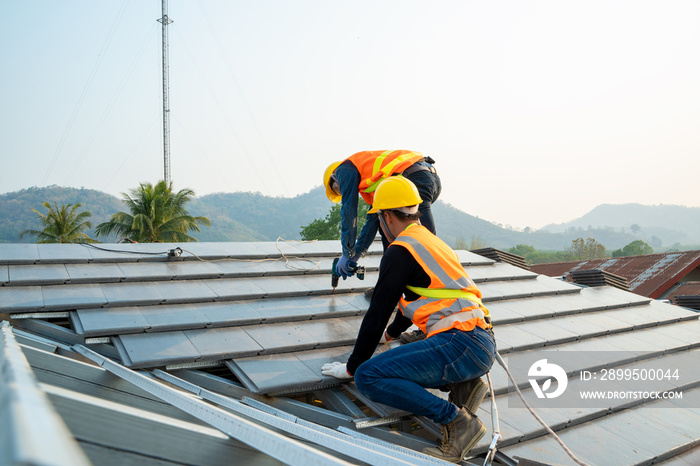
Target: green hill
255	217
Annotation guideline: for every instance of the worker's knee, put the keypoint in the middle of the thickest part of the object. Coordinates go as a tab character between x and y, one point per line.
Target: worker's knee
365	378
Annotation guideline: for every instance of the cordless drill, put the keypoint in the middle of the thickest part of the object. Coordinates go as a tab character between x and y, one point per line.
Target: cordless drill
359	271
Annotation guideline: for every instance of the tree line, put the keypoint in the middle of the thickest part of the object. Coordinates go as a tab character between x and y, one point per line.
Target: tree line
156	214
328	228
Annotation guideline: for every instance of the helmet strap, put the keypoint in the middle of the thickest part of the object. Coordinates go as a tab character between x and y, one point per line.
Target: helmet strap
389	236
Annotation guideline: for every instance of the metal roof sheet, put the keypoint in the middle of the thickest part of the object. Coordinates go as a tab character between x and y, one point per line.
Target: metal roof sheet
260	319
648	275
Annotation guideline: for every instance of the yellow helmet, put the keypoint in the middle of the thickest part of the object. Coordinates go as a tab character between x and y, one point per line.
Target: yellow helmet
330	194
395	192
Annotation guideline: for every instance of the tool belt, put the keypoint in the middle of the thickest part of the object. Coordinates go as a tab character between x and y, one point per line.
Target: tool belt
426	164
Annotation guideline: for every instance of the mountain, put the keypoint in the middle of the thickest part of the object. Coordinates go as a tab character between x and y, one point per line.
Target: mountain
658	225
255	217
17	216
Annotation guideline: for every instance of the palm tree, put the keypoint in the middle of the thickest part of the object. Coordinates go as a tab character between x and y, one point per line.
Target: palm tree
156	215
62	225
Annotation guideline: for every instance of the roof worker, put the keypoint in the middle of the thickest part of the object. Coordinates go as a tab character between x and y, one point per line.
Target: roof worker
361	173
440	299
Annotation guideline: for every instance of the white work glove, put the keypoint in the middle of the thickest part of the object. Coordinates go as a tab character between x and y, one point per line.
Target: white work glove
385	338
336	369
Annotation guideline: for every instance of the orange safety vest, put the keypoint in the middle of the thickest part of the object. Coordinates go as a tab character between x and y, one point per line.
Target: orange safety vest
375	165
460	303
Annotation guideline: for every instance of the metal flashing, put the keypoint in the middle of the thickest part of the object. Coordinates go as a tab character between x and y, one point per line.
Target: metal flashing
32	431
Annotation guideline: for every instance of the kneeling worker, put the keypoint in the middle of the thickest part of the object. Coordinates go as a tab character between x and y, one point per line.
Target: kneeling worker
439	298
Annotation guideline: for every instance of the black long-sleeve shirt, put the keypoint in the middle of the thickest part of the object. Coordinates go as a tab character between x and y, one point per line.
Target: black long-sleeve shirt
397	269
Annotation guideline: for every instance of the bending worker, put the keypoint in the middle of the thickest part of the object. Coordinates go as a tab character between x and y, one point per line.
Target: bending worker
439	298
360	174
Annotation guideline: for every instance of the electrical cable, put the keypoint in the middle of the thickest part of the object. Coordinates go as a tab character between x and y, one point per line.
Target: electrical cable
87	85
172	252
284	256
217	101
110	105
243	97
532	411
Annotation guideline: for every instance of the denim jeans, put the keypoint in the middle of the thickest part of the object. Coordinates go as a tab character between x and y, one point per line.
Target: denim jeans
399	377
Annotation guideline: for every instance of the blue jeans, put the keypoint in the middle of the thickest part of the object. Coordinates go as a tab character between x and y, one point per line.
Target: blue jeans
399	377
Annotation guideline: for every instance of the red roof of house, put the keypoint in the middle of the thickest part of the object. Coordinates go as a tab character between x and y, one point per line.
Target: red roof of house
686	289
649	275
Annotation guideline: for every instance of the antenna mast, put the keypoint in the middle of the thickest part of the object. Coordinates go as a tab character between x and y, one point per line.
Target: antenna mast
164	20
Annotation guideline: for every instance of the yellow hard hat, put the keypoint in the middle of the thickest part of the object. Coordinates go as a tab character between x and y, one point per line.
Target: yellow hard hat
330	194
395	192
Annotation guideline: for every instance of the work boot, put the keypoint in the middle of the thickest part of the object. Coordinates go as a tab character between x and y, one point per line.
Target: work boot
469	394
410	337
368	293
458	437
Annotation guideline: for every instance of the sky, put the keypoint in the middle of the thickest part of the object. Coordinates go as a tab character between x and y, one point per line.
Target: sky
535	111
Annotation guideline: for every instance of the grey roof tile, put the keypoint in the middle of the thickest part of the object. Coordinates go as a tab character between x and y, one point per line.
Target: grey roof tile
90	273
304	308
126	252
333	332
264	374
230	289
185	291
230	313
173	317
142	271
469	258
240	268
129	294
19	253
109	321
215	251
278	287
156	349
73	296
498	271
38	274
223	343
191	270
62	253
4	275
282	338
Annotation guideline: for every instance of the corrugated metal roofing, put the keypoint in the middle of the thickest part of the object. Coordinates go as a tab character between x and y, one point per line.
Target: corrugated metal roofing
254	322
649	275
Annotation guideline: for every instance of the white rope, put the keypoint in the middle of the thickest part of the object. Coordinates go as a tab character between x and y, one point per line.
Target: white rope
532	411
284	257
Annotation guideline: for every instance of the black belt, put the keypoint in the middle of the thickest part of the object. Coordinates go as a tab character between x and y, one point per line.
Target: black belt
423	165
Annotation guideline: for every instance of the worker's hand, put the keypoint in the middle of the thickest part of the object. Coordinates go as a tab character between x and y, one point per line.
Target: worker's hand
336	369
346	267
385	338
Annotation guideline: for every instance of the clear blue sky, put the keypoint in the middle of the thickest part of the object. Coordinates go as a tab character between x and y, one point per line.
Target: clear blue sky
536	111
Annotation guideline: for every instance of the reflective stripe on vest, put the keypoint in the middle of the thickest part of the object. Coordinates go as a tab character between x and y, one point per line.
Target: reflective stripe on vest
450	314
374	166
447	301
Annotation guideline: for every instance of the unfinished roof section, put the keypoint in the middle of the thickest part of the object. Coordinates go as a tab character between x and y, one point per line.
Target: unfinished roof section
101	327
650	275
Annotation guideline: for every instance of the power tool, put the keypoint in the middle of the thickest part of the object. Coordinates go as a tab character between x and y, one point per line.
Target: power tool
359	271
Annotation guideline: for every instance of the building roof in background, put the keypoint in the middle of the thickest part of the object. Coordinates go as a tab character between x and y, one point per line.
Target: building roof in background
648	275
100	336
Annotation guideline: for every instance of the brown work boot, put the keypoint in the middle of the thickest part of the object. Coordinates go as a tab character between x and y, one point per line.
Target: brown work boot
458	437
410	337
469	394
